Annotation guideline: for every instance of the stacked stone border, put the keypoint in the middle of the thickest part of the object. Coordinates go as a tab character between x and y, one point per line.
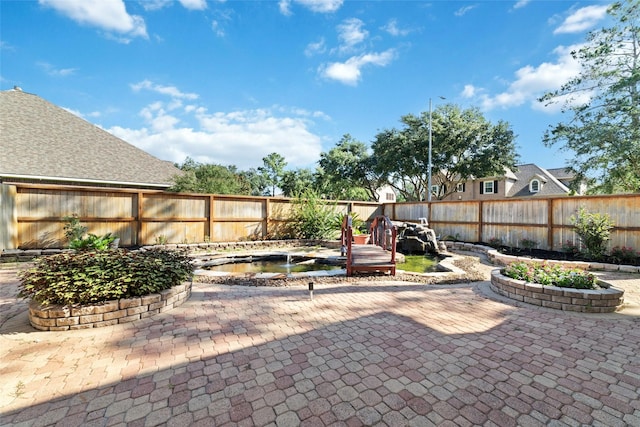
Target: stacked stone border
25	255
63	318
606	300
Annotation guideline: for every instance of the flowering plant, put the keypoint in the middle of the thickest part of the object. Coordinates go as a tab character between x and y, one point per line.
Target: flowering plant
623	254
551	275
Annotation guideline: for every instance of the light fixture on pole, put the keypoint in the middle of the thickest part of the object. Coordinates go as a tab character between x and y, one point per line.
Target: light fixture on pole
429	164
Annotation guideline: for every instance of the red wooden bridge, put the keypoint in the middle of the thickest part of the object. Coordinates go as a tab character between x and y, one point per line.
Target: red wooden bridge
378	255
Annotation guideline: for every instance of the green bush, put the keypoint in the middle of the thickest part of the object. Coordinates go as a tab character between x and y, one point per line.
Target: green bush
312	217
623	254
594	230
74	232
89	277
551	275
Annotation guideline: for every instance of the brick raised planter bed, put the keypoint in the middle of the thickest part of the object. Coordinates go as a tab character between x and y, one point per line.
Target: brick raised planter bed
62	318
605	300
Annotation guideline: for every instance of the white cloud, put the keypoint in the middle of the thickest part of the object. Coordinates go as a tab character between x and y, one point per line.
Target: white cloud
108	15
392	28
194	4
463	10
222	18
240	138
351	33
173	130
582	19
469	91
315	48
56	72
155	4
521	3
349	72
164	90
319	6
531	82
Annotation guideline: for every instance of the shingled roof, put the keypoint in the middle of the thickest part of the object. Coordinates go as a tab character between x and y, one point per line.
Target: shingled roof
551	186
42	142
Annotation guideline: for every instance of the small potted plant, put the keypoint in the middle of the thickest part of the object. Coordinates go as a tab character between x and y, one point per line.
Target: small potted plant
360	235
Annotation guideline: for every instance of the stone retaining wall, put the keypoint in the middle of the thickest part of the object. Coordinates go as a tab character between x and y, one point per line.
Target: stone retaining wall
501	259
62	318
582	300
23	255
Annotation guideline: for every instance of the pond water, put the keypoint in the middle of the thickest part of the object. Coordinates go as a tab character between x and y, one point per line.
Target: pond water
299	264
280	264
419	264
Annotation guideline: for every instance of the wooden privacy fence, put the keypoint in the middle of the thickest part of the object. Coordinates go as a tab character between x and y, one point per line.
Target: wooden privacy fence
547	222
33	216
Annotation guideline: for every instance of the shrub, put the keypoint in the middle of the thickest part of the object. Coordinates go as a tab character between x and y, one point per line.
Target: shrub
594	230
96	276
551	275
312	217
495	242
570	248
623	254
74	232
528	244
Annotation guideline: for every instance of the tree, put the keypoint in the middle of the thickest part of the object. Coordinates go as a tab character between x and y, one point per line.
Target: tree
209	178
604	131
296	182
256	180
347	171
464	145
272	170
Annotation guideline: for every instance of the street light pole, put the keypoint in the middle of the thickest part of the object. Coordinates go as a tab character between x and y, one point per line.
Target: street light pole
429	165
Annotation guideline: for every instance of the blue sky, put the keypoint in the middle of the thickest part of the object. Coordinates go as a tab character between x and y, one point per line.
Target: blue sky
229	82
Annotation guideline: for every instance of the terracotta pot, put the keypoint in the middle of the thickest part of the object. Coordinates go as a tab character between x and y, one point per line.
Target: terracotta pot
360	239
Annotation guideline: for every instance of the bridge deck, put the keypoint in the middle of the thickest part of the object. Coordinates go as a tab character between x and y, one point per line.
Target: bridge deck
371	258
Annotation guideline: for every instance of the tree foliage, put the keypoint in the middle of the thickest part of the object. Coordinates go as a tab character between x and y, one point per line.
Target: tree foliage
210	178
297	181
347	171
464	145
272	170
604	131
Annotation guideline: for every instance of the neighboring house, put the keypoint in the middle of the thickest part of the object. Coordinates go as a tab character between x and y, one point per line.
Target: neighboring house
525	181
43	143
386	194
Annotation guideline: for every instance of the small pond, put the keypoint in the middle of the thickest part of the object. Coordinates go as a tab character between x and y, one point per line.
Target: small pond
292	264
285	264
419	264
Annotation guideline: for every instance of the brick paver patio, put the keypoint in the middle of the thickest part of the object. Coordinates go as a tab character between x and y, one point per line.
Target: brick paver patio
372	353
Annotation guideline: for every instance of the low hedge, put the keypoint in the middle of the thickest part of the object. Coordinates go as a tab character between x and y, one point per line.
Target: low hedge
91	277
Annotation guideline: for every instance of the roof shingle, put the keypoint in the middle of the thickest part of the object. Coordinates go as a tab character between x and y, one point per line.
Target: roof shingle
39	140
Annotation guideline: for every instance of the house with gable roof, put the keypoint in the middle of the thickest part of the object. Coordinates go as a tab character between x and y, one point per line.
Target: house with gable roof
43	143
525	181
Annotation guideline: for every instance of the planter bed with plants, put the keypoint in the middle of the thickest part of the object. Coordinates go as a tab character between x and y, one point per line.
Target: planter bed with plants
87	289
557	287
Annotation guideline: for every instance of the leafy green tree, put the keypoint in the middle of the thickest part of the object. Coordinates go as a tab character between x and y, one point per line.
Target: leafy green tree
464	145
347	171
256	180
272	170
604	131
297	181
210	178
